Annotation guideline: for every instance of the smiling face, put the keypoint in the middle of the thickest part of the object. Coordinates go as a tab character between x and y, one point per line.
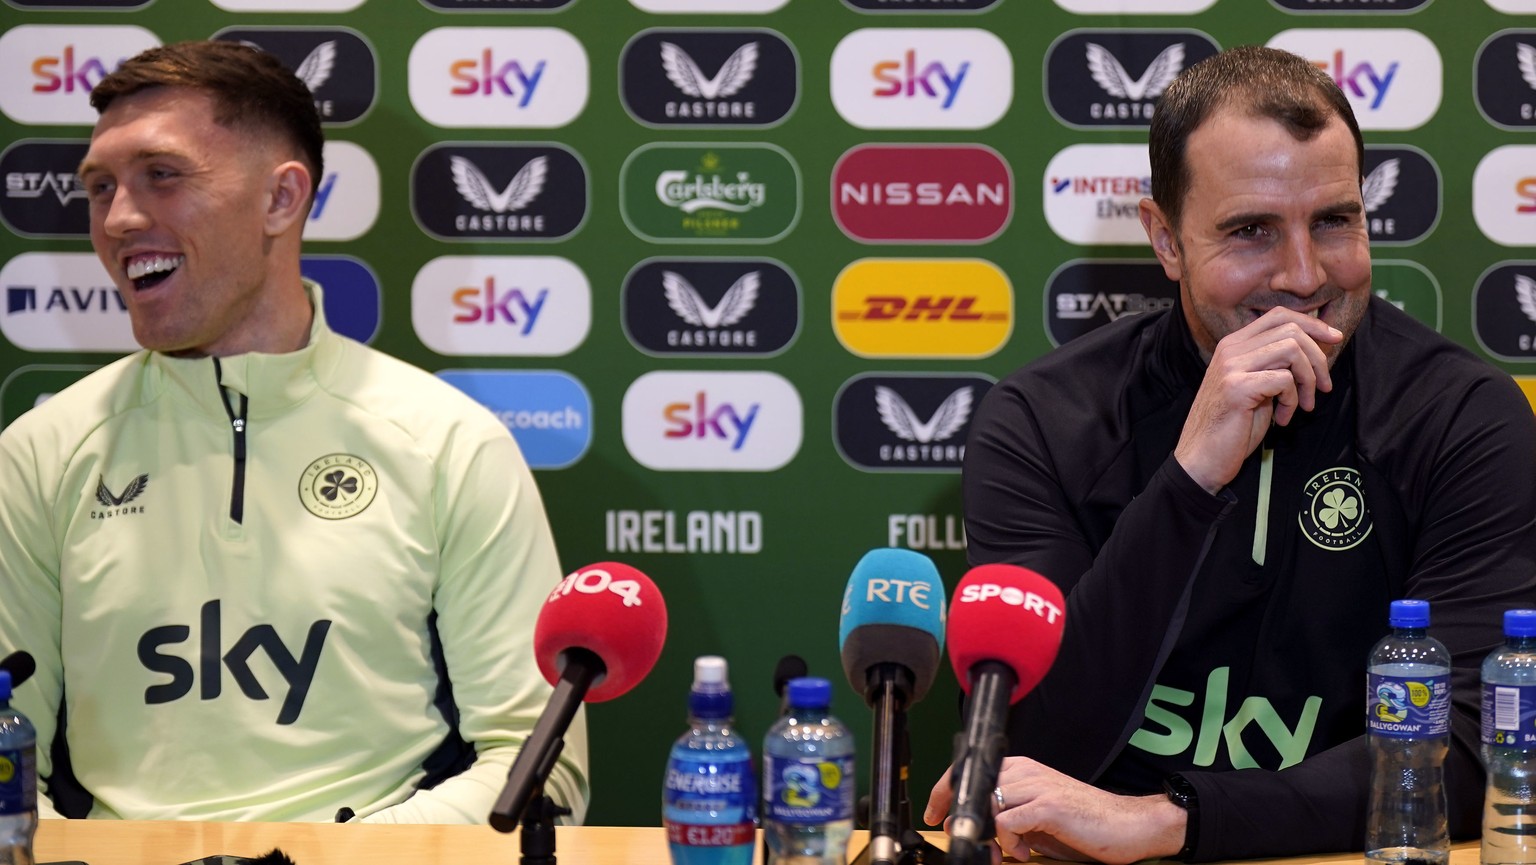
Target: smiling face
196	224
1268	221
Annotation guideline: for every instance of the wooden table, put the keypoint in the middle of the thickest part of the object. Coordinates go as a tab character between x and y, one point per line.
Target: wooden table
106	842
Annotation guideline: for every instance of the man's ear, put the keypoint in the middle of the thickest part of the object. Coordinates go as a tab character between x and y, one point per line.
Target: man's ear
288	189
1164	240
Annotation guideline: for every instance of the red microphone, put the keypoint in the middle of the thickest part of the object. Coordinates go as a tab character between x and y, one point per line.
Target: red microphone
1004	630
599	633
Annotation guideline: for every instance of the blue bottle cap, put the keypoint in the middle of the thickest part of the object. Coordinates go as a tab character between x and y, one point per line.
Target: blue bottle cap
1409	614
5	684
1520	623
810	692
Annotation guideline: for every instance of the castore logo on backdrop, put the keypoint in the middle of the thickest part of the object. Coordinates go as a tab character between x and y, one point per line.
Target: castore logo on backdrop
1112	78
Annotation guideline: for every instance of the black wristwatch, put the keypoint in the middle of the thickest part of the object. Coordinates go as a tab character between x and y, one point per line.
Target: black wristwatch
1182	793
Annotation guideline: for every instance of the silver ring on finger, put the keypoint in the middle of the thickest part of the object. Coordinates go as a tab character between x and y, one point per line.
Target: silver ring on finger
997	799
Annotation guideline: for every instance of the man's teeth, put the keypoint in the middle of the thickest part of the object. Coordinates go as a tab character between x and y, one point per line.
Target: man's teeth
1314	312
154	264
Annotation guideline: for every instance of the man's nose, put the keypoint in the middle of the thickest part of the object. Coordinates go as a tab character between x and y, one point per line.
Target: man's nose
1299	270
124	215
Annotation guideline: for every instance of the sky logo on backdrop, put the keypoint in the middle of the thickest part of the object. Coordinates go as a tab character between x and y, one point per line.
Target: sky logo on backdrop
721	78
48	71
1392	77
1504	195
918	78
501	305
548	412
347	198
498	77
43	197
1112	78
712	421
353	297
336	63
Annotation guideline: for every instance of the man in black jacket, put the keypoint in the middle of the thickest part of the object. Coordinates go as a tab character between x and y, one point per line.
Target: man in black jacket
1232	492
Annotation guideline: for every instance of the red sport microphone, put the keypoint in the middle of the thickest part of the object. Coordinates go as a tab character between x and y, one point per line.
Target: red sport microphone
599	633
1004	631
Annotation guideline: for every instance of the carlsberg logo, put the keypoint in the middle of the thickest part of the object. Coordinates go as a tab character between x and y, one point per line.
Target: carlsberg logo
697	192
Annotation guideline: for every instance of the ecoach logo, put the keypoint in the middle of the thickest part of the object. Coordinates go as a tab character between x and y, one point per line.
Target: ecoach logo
1504	195
712	421
49	71
696	193
501	305
1083	296
928	308
63	301
1504	311
352	298
1357	7
1392	78
336	63
960	78
1112	78
1140	7
501	77
549	413
1506	79
1401	193
711	307
43	196
469	191
1092	192
938	193
912	423
347	197
722	78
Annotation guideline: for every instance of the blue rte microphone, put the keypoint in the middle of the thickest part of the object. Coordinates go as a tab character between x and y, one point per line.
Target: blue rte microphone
891	637
893	614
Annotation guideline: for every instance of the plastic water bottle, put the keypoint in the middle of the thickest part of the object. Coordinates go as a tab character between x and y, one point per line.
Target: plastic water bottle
808	776
709	804
18	780
1408	708
1509	744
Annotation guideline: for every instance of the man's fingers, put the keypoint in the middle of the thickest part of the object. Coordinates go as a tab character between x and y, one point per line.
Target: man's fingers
939	800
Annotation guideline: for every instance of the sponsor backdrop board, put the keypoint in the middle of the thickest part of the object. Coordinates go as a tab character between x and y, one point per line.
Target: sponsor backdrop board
736	273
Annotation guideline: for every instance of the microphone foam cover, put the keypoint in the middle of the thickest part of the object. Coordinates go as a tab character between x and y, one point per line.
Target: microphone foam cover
893	612
21	665
1008	614
611	610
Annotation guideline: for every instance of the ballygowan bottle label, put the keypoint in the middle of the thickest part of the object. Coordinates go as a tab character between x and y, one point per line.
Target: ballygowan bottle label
808	791
1408	707
18	781
1509	715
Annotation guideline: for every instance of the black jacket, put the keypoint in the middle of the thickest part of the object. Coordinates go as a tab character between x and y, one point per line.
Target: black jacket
1415	477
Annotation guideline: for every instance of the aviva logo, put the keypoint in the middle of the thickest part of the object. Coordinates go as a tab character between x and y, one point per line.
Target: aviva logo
1215	727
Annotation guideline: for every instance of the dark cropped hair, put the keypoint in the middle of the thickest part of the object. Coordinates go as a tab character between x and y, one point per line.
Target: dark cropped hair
253	91
1266	82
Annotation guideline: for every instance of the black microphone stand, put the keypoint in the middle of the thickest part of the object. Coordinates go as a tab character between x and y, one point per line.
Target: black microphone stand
978	759
523	798
892	838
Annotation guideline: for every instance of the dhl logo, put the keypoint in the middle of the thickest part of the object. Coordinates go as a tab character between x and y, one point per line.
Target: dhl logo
922	308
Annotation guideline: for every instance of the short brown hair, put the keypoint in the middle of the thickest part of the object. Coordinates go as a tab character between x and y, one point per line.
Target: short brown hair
254	92
1267	82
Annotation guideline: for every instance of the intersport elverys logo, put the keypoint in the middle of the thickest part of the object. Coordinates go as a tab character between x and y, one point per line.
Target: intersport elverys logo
336	63
709	78
1113	78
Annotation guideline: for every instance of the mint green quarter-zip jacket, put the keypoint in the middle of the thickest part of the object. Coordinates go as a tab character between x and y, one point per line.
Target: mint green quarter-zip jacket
233	574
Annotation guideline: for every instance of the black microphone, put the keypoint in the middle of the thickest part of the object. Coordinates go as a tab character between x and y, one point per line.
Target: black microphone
890	634
789	667
1004	631
21	665
602	629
